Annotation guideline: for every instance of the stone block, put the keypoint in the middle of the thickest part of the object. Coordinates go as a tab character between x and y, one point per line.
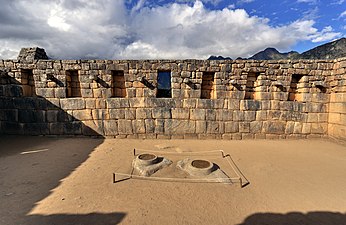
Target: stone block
244	127
73	128
210	114
56	128
250	105
137	102
143	113
274	115
84	114
159	126
323	117
317	107
9	115
117	113
260	136
319	128
100	114
205	103
180	113
201	127
161	113
86	93
150	126
274	127
35	128
306	128
93	127
231	127
298	128
164	103
138	126
189	103
250	115
130	114
100	103
31	116
197	114
238	116
236	136
234	104
214	127
334	118
116	103
227	136
290	127
261	115
180	127
337	107
110	127
256	127
125	126
72	103
224	115
312	117
90	103
247	136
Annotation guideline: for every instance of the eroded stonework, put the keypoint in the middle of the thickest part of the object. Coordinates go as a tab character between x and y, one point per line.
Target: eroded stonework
241	99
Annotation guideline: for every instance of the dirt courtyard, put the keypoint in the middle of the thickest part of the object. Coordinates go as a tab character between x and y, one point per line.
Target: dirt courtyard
48	180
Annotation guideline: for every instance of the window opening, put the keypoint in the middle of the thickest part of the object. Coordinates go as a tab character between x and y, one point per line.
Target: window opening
164	84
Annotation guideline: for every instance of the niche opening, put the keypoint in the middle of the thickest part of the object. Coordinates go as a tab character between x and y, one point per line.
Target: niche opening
208	86
294	87
118	84
28	82
250	85
73	84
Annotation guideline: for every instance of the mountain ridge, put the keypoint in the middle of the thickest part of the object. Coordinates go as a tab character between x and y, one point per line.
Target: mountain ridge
331	50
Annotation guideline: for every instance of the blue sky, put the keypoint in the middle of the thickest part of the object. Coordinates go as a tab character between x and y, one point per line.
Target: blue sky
151	29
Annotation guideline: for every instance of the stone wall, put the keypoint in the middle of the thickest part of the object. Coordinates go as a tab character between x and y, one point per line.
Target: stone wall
245	99
337	105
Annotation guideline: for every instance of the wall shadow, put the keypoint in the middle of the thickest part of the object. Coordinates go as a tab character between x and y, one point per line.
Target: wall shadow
33	164
77	219
296	218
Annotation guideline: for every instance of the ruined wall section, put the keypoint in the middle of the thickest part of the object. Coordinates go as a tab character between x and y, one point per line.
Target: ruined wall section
243	99
337	106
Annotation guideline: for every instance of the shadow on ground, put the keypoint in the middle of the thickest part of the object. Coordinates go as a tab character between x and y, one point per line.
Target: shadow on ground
31	167
296	218
87	219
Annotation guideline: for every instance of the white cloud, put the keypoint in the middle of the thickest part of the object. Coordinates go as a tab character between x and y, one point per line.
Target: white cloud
325	35
107	29
239	2
338	2
343	14
307	1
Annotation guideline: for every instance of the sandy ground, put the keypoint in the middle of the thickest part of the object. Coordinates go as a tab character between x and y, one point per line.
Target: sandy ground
46	180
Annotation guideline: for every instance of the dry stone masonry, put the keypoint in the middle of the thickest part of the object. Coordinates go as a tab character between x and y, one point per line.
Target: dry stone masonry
219	99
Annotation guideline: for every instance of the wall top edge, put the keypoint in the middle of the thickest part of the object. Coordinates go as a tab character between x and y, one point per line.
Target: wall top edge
178	61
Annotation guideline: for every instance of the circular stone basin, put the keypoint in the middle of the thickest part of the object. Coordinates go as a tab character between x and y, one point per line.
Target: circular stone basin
147	159
200	167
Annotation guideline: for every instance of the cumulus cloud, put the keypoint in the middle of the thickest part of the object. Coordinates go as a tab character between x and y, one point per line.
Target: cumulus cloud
325	35
109	29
